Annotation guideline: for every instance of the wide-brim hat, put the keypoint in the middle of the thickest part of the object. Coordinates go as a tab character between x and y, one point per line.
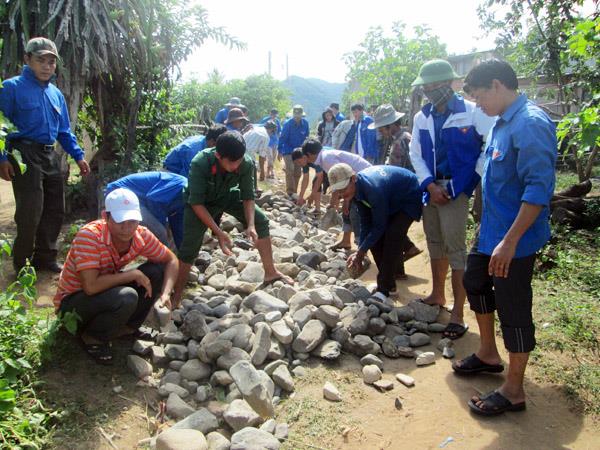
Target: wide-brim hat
435	71
385	115
298	108
234	101
235	114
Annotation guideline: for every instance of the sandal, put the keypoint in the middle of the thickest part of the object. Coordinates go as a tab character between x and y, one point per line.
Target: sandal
99	352
472	364
455	330
412	252
339	246
494	403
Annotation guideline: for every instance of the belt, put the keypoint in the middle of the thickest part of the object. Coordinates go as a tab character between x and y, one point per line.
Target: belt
439	176
31	144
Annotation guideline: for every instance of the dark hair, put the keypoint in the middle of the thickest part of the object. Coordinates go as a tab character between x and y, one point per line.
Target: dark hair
335	105
297	154
271	124
215	131
482	75
311	146
231	145
274	111
357	106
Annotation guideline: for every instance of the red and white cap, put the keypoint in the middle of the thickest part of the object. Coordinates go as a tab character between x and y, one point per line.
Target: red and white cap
122	204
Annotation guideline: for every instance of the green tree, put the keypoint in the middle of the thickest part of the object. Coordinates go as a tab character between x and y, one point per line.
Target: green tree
383	68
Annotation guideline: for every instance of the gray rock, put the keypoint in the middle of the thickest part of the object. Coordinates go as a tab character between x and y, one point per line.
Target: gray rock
425	359
240	336
376	325
424	312
195	369
193	346
202	420
328	314
282	431
276	350
172	337
221	378
270	368
360	323
406	380
261	344
289	269
406	352
282	378
345	295
362	345
253	389
139	366
260	301
269	426
382	307
176	365
443	343
299	372
405	313
203	393
436	327
171	377
311	335
212	350
384	385
330	392
389	348
286	234
142	347
340	334
239	415
254	439
216	441
371	360
169	388
253	273
273	316
448	353
286	292
177	408
310	259
401	340
371	374
419	340
302	316
328	349
181	440
281	331
234	355
176	351
217	281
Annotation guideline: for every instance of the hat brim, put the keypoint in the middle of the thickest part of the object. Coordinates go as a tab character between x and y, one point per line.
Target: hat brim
340	185
46	52
226	122
124	215
386	121
419	81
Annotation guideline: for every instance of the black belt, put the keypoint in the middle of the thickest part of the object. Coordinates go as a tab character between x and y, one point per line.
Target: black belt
439	176
17	143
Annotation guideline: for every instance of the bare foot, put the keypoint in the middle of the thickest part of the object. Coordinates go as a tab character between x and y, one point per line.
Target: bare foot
276	276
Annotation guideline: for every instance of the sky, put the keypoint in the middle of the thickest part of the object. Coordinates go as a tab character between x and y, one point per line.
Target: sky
315	34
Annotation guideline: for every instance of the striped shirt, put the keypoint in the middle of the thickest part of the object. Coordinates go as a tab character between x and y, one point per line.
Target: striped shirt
257	141
92	249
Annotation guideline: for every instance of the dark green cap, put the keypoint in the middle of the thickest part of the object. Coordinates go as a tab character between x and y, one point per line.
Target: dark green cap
434	71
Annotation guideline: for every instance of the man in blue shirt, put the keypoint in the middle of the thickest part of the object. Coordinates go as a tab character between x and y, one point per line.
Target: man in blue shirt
293	134
447	140
221	115
161	202
364	142
273	142
38	110
179	158
388	200
517	185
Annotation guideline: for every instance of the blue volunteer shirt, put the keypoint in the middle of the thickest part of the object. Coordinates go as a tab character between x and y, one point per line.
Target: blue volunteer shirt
39	112
179	158
273	138
441	151
519	167
161	193
221	115
381	192
293	136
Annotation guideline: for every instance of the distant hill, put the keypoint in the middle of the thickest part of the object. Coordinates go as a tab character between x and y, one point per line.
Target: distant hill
314	94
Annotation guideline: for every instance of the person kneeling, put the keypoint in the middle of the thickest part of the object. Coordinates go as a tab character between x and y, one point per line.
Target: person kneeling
388	200
111	302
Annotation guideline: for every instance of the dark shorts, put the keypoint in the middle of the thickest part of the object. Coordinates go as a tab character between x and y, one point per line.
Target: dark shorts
512	297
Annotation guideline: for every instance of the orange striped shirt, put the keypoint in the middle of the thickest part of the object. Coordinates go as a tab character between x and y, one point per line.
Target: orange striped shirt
92	248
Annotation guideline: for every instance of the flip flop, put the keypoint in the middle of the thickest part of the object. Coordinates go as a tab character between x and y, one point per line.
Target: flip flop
412	252
455	330
99	352
494	403
472	365
339	246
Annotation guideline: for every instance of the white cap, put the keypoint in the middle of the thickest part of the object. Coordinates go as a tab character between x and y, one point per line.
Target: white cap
122	204
339	176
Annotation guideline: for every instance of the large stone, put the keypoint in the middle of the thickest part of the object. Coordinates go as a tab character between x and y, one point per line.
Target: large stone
287	234
283	378
302	316
253	273
362	345
216	441
368	360
282	332
389	348
360	322
405	313
425	359
194	325
211	350
289	269
260	301
424	312
330	392
217	281
250	384
239	415
181	440
202	420
139	366
328	314
311	335
254	439
159	356
167	389
240	336
261	344
345	295
328	349
371	374
177	408
194	370
142	347
176	351
310	259
234	355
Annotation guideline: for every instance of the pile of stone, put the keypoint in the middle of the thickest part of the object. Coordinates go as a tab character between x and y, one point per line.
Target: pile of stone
233	348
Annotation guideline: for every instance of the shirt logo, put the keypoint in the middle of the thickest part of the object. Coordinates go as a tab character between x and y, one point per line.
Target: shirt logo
464	130
496	154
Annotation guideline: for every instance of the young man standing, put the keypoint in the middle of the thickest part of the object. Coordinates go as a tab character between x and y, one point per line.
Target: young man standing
518	183
112	302
360	139
447	140
39	111
273	141
222	180
388	200
294	133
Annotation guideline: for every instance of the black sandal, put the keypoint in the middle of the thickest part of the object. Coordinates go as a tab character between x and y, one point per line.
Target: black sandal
472	364
493	404
455	330
99	352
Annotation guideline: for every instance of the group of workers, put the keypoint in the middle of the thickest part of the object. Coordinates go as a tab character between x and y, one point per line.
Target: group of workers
501	140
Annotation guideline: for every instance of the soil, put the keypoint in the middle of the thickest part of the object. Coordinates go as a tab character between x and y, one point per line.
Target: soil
434	412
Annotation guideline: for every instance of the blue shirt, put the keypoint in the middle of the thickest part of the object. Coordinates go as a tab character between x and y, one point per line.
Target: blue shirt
519	167
293	136
161	193
273	138
39	112
381	192
221	115
339	117
441	151
179	158
308	166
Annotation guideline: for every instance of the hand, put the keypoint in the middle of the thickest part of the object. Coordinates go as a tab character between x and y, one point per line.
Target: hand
84	167
225	243
165	301
501	258
355	260
439	195
279	156
142	280
251	234
300	201
7	171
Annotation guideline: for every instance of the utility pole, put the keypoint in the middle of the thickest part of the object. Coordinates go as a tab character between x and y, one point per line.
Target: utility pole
287	66
269	62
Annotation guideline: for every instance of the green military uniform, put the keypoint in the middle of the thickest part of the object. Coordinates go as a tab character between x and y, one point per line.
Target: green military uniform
218	191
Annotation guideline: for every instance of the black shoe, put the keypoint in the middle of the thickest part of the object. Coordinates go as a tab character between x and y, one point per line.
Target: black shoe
51	266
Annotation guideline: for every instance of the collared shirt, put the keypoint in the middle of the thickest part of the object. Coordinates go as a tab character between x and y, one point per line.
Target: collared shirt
399	152
179	158
257	139
441	147
39	112
381	192
92	249
208	184
293	135
519	167
328	158
358	145
161	193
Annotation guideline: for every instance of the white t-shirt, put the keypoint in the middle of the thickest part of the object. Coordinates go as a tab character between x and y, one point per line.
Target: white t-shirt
257	141
327	158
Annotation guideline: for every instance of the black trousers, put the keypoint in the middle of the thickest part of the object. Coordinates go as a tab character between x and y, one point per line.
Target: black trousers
105	314
389	249
511	297
40	204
